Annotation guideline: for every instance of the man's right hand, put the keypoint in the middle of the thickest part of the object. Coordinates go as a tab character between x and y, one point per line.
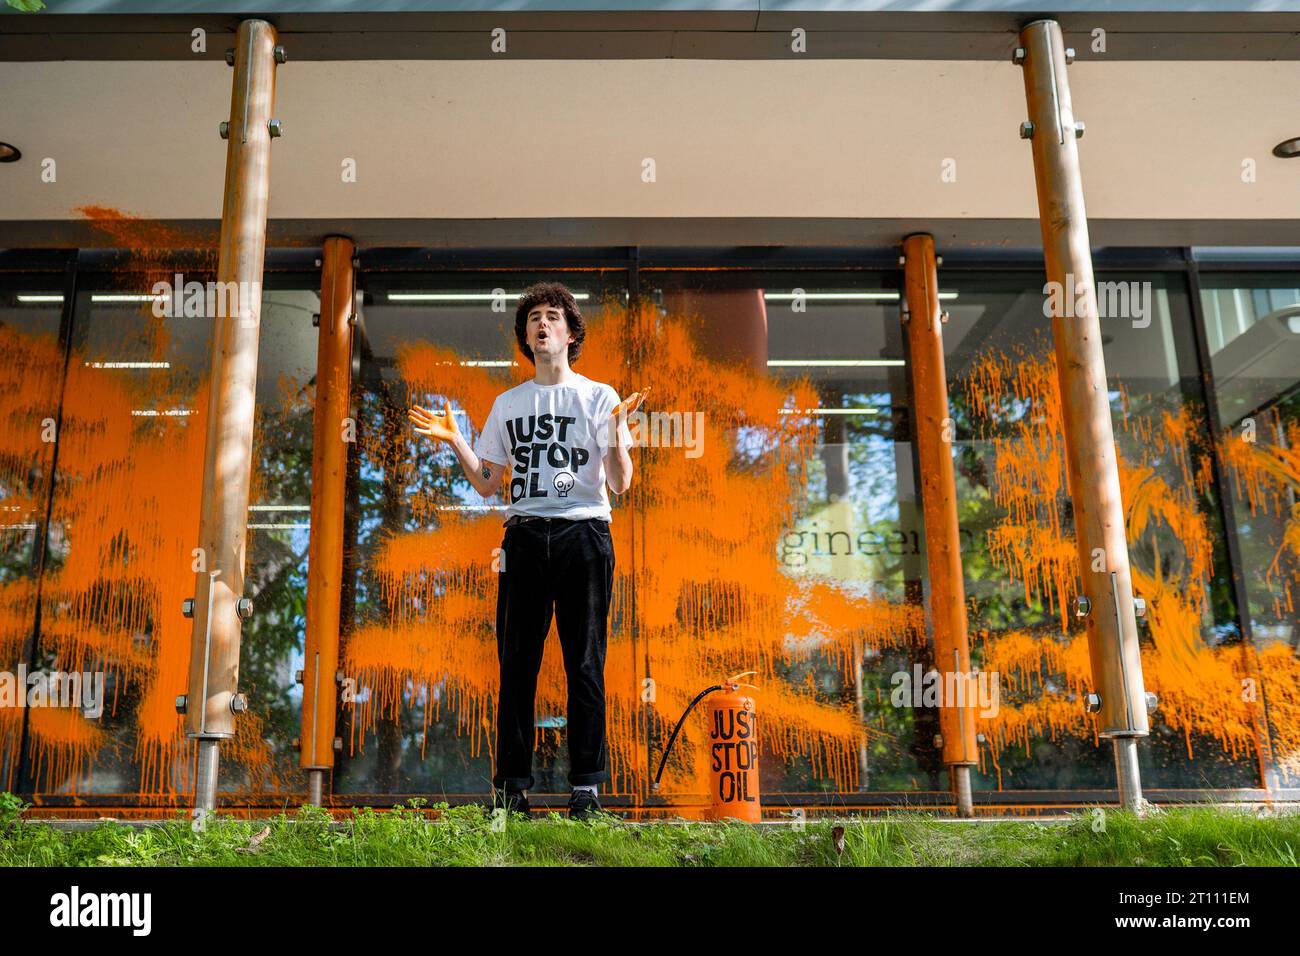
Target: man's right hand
439	425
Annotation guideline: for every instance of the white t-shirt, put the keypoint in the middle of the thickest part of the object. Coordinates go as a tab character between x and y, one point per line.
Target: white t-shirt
554	439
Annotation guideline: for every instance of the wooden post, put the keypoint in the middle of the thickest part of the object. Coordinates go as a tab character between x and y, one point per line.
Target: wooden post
1106	603
331	433
219	604
934	436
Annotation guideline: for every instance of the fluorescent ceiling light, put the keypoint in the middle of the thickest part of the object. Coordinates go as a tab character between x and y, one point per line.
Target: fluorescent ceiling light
835	363
842	296
829	411
481	363
127	364
128	297
832	296
462	296
33	299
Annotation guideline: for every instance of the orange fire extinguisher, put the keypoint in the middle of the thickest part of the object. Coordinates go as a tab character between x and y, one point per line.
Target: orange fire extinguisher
733	750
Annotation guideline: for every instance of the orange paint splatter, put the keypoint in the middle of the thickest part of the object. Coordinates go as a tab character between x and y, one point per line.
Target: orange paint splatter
698	580
124	520
1015	400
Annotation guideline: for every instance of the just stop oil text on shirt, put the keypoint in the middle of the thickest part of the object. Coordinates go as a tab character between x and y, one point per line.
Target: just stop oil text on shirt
553	438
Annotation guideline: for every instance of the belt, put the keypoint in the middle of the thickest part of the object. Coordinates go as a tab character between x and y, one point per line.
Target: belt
520	519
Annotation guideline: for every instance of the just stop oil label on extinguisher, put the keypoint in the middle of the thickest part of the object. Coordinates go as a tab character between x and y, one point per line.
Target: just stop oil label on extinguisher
733	746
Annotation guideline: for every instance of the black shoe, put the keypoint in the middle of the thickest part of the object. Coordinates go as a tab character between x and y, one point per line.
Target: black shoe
511	800
583	805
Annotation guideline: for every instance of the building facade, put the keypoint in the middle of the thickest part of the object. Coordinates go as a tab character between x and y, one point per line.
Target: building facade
727	192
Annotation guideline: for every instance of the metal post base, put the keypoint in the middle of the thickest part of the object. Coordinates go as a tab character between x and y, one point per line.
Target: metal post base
315	787
1127	776
960	779
205	784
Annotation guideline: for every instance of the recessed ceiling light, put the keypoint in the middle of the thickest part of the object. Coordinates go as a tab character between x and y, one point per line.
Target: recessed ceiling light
9	154
1287	149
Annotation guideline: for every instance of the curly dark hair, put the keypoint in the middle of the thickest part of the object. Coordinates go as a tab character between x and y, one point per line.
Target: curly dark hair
549	293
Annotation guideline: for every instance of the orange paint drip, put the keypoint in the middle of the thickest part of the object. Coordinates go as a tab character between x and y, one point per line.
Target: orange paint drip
1015	401
124	521
62	743
1267	474
29	401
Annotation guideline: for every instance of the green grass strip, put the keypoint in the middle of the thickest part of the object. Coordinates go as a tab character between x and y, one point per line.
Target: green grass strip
468	836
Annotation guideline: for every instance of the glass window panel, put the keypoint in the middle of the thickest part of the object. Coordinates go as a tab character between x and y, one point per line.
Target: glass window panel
124	525
30	385
420	620
1253	332
819	564
1022	569
279	523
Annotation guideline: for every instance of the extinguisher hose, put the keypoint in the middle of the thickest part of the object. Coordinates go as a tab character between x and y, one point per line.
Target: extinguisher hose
676	730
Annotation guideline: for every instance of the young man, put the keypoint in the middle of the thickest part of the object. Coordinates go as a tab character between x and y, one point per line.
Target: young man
564	437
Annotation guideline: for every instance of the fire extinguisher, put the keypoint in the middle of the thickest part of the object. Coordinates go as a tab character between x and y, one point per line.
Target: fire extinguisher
733	750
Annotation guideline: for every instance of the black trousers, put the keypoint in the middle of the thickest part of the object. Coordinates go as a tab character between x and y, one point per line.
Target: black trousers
565	568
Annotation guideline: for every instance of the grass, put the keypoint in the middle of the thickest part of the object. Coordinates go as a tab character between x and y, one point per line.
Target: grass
465	836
